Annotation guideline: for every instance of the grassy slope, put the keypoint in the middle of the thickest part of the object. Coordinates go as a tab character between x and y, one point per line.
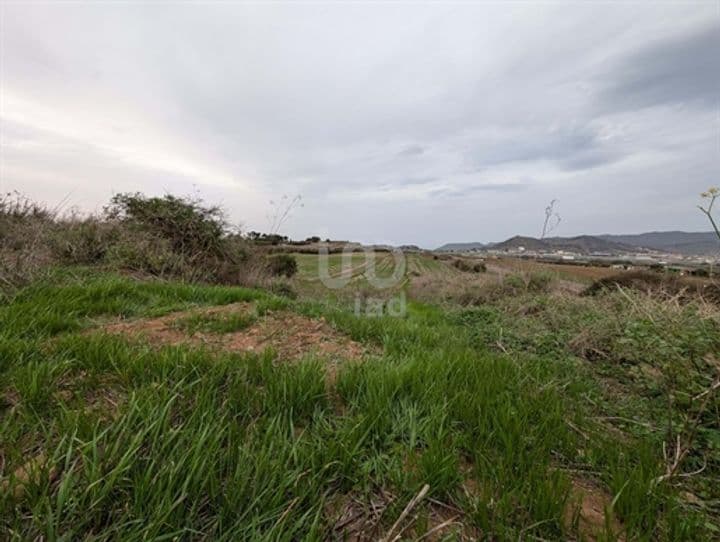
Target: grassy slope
134	442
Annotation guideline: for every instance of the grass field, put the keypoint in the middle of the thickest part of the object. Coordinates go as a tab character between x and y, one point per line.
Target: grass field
145	410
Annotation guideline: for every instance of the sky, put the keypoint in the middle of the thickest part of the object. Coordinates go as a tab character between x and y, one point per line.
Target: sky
396	122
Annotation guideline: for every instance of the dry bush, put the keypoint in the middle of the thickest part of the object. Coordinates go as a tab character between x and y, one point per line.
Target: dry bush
663	285
479	290
469	266
85	241
24	229
508	286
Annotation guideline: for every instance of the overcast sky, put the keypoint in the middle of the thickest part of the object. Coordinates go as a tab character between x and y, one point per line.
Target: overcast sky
396	122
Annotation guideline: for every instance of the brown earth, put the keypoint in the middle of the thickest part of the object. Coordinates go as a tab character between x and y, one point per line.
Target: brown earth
586	509
34	471
290	335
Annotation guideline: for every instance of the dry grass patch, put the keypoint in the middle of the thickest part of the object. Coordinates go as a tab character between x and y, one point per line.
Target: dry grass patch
353	518
673	288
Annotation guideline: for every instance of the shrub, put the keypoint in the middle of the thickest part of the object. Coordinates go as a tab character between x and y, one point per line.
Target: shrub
685	289
283	289
83	241
538	282
163	236
190	227
282	265
24	227
177	236
510	286
147	253
469	266
635	280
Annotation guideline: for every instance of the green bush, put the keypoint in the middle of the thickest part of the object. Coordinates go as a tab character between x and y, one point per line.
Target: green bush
187	224
177	237
282	265
146	253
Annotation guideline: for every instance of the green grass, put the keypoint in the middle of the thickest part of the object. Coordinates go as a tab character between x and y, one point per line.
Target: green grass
309	268
140	442
215	323
309	264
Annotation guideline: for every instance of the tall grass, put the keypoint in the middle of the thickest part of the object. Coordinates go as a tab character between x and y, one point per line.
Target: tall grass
131	441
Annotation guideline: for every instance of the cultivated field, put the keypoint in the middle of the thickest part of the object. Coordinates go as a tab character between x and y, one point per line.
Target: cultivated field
580	273
502	405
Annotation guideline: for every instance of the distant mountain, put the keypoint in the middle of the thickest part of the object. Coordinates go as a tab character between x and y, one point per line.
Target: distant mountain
528	243
584	244
587	244
678	242
461	247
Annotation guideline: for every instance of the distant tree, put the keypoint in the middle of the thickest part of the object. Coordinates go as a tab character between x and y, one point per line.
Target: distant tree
267	238
552	219
712	194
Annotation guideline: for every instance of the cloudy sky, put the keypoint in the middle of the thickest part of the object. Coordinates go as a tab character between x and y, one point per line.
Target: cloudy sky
397	122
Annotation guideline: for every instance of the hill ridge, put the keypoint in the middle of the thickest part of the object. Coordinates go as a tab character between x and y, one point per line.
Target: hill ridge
676	241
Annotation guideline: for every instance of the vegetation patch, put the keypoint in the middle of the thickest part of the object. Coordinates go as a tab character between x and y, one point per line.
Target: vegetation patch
161	236
662	284
282	265
497	406
469	266
244	328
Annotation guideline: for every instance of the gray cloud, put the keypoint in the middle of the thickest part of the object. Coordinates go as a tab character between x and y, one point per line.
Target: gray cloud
612	109
681	69
456	192
413	181
571	147
411	150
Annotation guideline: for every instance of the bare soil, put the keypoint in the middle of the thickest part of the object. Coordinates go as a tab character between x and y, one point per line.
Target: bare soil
586	511
290	335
